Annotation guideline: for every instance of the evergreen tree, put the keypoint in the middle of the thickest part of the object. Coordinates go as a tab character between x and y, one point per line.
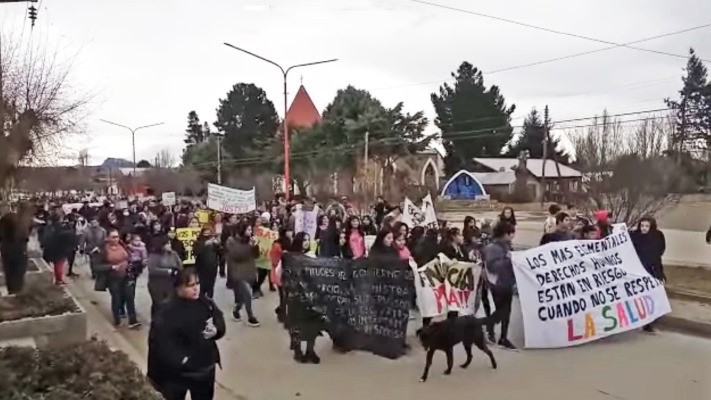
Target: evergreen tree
194	133
248	120
531	139
693	109
474	121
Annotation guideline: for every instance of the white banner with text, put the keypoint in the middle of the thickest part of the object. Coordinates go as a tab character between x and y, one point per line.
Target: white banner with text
577	291
229	200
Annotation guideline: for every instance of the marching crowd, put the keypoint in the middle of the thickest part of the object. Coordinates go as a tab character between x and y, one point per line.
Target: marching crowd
121	245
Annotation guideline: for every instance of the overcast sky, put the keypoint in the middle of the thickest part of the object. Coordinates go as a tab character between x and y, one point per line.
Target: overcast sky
155	60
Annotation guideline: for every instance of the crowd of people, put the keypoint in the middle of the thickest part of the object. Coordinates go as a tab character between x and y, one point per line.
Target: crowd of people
123	244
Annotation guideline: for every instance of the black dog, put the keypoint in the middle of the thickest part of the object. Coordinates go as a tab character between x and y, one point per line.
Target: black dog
446	334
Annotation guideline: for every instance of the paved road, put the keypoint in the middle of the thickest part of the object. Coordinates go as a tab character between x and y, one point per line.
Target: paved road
258	365
684	247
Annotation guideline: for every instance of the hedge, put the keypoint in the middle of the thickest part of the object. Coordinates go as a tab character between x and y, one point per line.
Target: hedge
87	371
36	301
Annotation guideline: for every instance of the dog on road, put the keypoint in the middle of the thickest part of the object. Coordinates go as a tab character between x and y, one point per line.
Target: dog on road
446	334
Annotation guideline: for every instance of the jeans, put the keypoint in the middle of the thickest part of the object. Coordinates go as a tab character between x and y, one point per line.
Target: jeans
243	296
123	293
502	301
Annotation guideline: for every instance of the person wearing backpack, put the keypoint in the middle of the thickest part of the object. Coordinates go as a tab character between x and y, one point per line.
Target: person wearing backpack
500	277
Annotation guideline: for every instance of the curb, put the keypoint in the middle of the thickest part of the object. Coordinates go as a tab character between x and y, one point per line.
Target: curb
682	294
686	326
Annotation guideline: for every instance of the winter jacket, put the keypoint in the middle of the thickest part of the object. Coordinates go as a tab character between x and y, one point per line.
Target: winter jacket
497	263
177	349
650	248
103	266
94	238
161	268
178	247
206	256
557	236
60	242
241	258
137	252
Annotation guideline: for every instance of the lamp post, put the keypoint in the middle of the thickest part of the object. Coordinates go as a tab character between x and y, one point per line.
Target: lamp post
133	137
285	128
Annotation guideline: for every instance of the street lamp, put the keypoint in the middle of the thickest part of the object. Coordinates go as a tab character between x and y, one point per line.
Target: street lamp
285	73
133	138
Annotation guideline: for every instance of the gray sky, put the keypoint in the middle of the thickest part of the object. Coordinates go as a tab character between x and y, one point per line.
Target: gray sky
154	61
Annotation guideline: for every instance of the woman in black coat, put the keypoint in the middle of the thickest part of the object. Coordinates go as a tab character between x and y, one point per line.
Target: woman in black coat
649	242
182	348
206	261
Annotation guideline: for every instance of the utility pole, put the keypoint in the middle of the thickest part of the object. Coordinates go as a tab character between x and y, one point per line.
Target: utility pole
285	127
543	168
365	162
547	126
219	160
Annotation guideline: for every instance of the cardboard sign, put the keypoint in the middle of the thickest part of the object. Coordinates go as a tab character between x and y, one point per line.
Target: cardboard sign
188	236
168	199
444	285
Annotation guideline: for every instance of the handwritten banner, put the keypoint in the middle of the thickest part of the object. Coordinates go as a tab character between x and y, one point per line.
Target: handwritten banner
168	199
305	221
444	285
578	291
366	302
188	236
229	200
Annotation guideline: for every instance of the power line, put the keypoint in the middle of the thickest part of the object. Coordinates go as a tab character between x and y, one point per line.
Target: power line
461	135
550	30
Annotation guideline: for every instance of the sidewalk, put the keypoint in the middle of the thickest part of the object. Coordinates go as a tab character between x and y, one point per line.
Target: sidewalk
133	343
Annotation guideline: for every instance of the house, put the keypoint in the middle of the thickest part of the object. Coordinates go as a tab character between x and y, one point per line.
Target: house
498	177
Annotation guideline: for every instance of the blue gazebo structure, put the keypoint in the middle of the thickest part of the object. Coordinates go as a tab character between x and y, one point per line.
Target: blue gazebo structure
463	186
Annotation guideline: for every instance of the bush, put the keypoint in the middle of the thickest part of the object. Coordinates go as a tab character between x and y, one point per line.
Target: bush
36	301
87	371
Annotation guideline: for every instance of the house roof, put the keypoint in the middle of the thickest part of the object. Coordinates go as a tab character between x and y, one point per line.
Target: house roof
129	171
302	113
496	178
534	166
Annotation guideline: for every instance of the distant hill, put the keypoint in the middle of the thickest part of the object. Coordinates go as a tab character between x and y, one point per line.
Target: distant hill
114	163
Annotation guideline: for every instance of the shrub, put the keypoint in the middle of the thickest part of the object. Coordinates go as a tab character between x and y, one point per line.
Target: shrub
90	370
36	301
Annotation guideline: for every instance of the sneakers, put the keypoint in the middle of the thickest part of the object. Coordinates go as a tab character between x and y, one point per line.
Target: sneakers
503	342
251	321
134	325
236	316
649	329
491	336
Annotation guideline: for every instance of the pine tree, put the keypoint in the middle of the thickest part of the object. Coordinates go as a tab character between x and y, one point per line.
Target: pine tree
474	121
194	133
532	135
693	109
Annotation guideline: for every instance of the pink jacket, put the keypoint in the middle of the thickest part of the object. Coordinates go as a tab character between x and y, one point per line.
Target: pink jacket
357	244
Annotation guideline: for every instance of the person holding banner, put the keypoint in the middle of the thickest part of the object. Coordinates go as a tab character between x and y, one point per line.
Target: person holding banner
500	276
561	232
355	247
650	244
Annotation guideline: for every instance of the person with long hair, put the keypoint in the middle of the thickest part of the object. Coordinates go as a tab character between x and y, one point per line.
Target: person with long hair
355	245
500	277
369	227
401	246
113	262
282	244
451	245
470	229
328	245
242	252
650	244
182	348
206	251
383	245
507	215
162	267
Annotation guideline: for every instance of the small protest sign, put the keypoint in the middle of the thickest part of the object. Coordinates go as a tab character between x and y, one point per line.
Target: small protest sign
305	221
265	239
229	200
168	199
429	213
577	291
366	302
188	236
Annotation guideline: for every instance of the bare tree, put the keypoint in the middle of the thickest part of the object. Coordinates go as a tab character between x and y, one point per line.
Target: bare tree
164	159
625	167
39	107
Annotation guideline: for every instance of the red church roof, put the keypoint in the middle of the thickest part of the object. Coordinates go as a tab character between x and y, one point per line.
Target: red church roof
302	112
